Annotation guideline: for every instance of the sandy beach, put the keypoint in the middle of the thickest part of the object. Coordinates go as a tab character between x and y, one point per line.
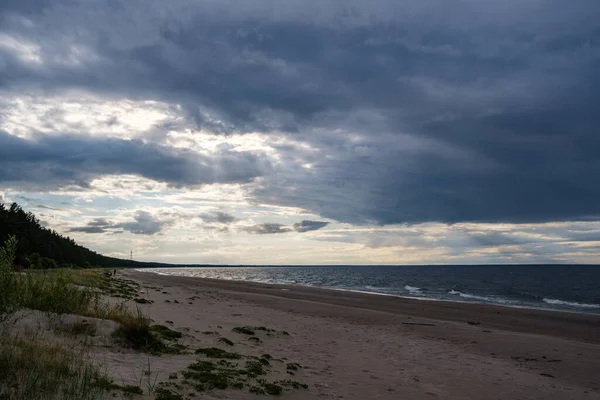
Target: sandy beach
363	346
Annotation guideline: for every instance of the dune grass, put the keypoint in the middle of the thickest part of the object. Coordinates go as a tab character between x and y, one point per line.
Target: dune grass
32	370
77	292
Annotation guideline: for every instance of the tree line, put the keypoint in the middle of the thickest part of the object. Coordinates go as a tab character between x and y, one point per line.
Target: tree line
40	247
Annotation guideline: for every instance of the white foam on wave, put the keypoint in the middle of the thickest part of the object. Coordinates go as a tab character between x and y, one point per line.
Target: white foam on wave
569	303
413	289
377	289
496	300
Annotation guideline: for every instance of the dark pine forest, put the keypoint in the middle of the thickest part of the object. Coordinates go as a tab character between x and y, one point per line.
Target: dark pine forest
39	247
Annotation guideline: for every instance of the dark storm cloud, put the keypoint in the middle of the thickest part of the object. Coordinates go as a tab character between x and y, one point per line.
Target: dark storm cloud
218	217
89	229
306	225
266	229
143	223
99	222
97	225
76	160
458	111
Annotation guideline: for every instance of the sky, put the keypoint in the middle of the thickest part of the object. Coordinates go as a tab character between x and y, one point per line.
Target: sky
306	131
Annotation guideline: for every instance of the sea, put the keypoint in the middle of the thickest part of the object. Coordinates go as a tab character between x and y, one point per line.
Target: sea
573	288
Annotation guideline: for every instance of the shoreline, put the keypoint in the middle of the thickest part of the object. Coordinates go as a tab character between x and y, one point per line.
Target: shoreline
526	307
583	308
566	324
362	345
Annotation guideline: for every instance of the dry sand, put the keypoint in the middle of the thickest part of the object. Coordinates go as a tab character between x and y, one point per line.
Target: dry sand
362	346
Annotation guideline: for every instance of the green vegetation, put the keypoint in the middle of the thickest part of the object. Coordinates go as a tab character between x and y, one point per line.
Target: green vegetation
254	369
292	384
34	370
9	301
214	352
53	294
82	327
42	248
166	394
293	366
75	292
206	375
127	389
136	332
166	333
142	301
264	329
273	389
244	330
226	341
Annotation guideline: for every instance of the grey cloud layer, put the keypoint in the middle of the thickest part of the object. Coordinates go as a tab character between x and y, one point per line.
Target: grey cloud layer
76	160
218	217
267	229
307	226
143	223
416	113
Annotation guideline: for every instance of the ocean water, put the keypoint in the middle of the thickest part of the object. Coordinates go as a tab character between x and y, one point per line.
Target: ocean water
574	288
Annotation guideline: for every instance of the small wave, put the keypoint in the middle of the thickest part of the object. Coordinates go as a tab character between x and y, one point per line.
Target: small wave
496	300
413	289
378	289
469	296
569	303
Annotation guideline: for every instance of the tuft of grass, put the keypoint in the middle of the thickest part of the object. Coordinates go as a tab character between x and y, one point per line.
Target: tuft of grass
132	389
55	294
202	366
226	341
293	366
292	384
9	293
207	375
165	332
243	329
256	390
35	370
264	329
264	361
227	364
77	328
128	389
166	394
215	352
136	332
254	369
273	389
